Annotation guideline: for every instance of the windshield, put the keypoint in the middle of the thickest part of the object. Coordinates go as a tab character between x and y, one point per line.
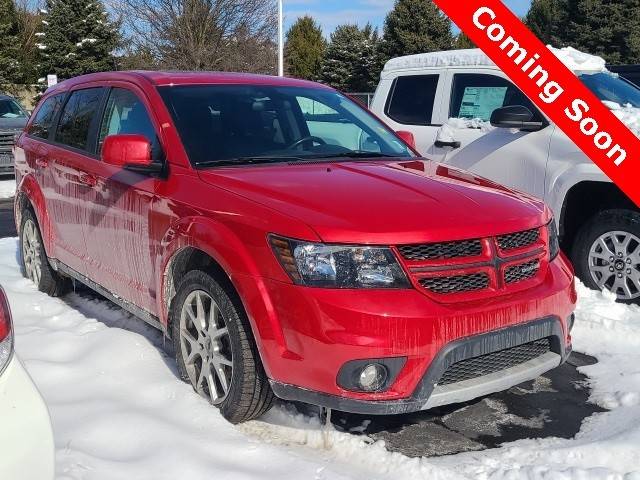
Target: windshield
609	87
11	109
240	124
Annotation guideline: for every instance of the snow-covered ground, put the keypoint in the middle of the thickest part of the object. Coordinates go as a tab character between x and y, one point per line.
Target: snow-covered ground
119	411
7	188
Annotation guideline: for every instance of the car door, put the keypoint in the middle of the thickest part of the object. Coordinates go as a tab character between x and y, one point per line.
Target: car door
118	223
511	157
70	188
411	104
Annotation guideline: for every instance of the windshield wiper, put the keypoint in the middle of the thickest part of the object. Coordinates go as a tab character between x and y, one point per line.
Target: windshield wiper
356	154
247	161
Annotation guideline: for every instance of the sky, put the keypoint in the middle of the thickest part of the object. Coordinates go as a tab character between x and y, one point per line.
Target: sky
330	13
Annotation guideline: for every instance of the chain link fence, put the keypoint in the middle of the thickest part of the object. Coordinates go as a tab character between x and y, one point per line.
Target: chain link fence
363	98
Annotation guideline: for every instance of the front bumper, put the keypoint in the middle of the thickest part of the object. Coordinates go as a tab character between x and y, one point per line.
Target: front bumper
26	438
7	162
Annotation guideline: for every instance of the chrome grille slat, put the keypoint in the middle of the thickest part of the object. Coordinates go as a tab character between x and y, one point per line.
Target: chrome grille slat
516	240
442	250
494	362
456	283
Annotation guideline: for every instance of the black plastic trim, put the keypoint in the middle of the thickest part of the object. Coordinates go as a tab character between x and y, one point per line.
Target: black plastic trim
455	351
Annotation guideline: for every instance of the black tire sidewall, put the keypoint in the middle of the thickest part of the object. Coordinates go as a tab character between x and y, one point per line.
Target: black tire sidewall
603	222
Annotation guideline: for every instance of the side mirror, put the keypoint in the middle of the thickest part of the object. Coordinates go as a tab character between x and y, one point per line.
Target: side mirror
407	137
516	116
131	152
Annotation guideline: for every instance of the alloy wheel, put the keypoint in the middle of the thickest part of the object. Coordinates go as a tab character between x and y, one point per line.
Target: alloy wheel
31	252
614	264
206	346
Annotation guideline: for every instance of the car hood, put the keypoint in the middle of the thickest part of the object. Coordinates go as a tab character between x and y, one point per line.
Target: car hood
17	123
384	202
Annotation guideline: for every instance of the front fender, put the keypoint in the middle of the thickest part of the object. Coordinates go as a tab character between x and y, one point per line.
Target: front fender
29	191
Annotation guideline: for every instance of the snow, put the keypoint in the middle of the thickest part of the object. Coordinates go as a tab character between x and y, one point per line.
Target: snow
7	188
446	133
627	114
120	412
575	60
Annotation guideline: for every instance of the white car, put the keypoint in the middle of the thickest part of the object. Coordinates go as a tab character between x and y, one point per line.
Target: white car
26	439
460	109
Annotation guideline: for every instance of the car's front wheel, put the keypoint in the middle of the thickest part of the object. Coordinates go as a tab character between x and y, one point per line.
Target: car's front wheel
34	262
606	253
215	350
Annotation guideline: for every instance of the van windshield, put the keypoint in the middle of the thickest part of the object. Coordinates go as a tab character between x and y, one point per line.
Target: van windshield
609	87
246	124
11	109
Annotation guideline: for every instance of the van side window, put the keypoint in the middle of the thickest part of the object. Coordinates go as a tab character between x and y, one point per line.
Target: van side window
126	114
42	122
77	118
478	95
411	99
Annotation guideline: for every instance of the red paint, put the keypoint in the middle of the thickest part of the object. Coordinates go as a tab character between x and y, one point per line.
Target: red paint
127	150
407	137
485	22
124	230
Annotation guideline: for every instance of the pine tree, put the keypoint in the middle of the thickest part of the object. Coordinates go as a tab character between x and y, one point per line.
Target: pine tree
548	20
304	49
351	63
77	38
462	41
10	68
415	26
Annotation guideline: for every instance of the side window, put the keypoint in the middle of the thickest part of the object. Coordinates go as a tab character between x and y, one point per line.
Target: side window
411	99
42	122
478	95
77	118
126	114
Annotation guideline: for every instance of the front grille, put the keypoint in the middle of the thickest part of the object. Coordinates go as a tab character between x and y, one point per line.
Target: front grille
494	362
441	251
519	239
6	140
456	283
524	271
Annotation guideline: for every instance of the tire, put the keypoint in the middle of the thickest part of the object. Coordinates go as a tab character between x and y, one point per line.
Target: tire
225	345
34	263
606	253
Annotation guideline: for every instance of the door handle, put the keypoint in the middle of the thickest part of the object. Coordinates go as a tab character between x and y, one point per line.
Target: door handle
88	179
42	162
441	144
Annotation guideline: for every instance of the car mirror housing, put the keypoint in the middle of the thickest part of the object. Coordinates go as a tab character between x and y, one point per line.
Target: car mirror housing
131	152
407	137
516	116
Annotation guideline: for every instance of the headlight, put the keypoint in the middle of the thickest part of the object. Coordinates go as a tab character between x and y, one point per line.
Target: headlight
338	266
554	242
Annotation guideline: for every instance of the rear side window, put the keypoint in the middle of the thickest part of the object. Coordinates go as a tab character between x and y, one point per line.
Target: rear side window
77	118
411	99
43	119
126	114
478	95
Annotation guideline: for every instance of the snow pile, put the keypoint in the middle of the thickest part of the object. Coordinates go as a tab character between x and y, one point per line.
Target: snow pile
120	412
447	132
575	60
627	114
7	188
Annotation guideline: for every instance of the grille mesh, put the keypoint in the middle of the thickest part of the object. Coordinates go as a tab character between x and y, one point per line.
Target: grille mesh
519	239
494	362
524	271
456	283
441	251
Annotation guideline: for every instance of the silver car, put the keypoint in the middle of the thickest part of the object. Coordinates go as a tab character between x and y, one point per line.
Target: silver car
13	118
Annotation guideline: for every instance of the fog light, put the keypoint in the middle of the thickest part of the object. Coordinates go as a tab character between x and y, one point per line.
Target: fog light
372	377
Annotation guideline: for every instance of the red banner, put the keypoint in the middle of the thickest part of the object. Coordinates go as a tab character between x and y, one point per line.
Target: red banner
552	87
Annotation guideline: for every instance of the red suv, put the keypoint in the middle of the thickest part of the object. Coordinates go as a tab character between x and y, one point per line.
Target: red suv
289	243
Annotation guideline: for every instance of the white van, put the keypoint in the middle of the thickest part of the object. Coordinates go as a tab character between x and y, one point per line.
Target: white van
460	107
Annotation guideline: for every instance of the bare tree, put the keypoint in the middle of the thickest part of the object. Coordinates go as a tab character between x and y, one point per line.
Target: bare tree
228	35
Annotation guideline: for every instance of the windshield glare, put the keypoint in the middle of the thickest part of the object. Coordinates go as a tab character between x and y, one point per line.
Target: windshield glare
611	88
10	109
235	122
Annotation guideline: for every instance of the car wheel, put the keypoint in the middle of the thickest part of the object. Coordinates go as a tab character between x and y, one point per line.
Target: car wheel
606	254
215	349
34	262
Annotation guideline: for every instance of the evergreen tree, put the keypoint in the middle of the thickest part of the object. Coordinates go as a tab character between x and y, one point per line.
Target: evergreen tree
351	63
77	38
304	49
415	26
462	42
548	20
10	68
